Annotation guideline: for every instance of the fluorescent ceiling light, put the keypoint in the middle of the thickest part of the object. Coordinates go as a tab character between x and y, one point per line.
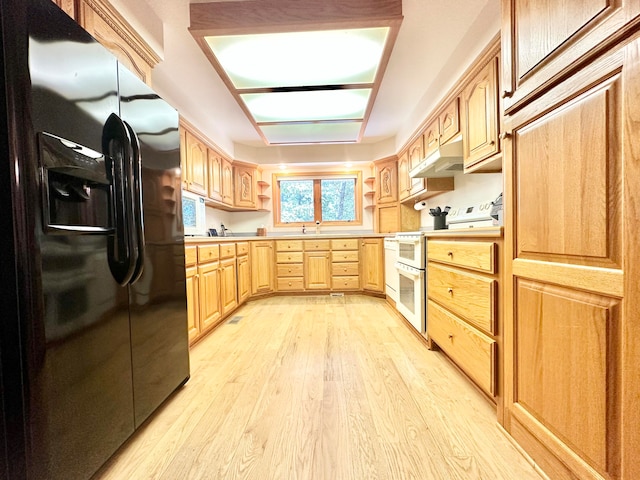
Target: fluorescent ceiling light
307	105
309	133
293	62
293	59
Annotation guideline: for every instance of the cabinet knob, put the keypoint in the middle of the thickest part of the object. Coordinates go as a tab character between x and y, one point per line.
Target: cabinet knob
450	336
450	291
450	254
507	94
289	283
504	135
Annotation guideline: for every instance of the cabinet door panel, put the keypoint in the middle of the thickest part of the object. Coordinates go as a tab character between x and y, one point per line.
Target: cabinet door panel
481	116
262	267
567	367
228	293
209	280
193	301
568	179
541	39
196	161
449	122
416	155
404	181
318	271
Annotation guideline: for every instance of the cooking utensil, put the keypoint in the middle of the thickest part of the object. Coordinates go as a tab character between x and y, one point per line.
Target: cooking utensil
446	210
432	212
438	211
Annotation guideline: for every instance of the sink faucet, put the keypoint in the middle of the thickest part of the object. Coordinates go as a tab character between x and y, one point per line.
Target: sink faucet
317	227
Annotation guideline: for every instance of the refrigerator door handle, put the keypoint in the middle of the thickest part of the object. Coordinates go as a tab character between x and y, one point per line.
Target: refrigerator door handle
121	246
136	204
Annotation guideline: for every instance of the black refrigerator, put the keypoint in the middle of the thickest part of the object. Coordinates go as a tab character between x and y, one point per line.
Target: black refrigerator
93	322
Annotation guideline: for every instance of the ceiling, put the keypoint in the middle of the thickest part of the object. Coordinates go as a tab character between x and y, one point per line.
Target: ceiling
436	43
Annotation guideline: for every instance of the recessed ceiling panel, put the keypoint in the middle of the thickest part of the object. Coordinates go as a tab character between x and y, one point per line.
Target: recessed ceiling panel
335	132
307	105
299	75
293	59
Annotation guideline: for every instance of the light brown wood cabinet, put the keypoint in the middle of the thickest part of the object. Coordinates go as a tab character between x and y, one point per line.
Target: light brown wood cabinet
416	155
245	187
449	122
372	264
289	265
228	285
572	162
194	170
68	6
480	99
244	271
214	175
386	181
107	26
404	181
462	307
543	39
192	288
318	273
227	181
262	266
345	264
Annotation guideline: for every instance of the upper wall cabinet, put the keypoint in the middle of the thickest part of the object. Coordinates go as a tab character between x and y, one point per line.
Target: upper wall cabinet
102	21
544	40
386	181
245	186
449	121
480	105
194	169
68	6
416	154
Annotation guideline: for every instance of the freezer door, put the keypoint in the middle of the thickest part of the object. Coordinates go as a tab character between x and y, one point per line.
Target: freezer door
78	365
160	351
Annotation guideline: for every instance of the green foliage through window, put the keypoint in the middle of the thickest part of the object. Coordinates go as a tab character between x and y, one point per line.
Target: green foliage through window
305	200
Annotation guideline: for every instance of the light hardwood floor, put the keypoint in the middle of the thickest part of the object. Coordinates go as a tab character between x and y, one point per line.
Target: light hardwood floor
320	388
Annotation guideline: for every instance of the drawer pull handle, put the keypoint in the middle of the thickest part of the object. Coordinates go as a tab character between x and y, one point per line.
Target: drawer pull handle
450	291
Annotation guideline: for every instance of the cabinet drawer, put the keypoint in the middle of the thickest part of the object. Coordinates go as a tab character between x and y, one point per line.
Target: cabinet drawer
208	253
466	294
476	255
242	248
293	283
227	250
190	255
316	245
345	283
473	351
345	256
289	245
290	270
344	244
289	257
341	268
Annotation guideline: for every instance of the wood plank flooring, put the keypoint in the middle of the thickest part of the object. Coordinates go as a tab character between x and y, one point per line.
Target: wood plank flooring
323	388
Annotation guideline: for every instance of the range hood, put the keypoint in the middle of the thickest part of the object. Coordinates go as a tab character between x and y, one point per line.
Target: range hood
444	162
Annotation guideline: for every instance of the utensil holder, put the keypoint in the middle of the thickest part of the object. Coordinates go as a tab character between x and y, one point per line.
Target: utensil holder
439	222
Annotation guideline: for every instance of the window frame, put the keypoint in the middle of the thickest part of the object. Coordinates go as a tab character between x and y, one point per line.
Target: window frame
317	196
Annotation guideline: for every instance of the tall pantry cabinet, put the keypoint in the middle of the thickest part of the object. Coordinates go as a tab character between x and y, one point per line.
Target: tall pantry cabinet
571	99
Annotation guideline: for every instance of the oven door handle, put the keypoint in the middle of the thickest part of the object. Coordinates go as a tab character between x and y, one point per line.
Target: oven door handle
409	272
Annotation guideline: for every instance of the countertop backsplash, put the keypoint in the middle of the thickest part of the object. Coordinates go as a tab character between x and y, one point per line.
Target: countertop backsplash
470	189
